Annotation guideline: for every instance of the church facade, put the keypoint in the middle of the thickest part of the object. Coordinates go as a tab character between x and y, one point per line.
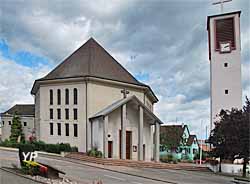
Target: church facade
92	102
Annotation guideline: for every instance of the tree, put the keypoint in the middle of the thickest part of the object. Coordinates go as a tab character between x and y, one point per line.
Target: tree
16	130
230	137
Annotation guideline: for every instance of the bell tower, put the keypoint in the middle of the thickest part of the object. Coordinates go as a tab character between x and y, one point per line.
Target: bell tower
225	63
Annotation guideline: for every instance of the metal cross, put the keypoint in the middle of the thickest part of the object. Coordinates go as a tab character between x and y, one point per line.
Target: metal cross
125	92
221	4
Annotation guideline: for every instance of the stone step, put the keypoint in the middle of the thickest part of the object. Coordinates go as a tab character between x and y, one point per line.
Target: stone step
132	163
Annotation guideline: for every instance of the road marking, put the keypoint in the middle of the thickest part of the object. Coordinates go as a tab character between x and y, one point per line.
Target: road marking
114	177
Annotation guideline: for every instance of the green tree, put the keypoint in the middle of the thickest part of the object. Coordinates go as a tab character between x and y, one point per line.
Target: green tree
16	130
230	137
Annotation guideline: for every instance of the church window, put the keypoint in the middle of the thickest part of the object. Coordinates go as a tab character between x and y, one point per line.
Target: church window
51	97
75	114
226	91
67	96
51	128
51	113
224	31
225	64
66	114
75	130
59	128
75	96
58	97
66	129
24	123
9	122
58	113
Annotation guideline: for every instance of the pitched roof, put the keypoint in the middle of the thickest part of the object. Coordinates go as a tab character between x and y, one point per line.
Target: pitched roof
110	108
172	133
21	109
91	59
191	140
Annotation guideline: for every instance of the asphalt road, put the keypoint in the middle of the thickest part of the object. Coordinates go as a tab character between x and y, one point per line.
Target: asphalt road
87	174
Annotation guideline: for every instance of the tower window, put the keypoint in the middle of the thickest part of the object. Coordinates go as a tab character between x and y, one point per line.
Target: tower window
224	31
225	64
51	113
58	97
67	96
75	96
9	122
226	91
24	123
75	114
51	97
58	113
59	128
66	114
3	122
51	128
75	130
66	129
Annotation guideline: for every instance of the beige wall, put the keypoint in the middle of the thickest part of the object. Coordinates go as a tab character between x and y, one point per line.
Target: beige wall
225	77
79	141
6	128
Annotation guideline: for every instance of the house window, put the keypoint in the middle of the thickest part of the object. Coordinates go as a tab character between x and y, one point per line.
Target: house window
75	114
58	97
66	129
24	123
224	31
59	128
51	113
75	130
58	113
51	128
75	96
226	91
66	114
9	122
225	64
67	96
51	97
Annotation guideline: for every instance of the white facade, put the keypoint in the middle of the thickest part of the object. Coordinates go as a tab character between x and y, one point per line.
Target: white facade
27	126
225	70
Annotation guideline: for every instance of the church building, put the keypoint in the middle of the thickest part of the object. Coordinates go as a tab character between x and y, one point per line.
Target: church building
91	101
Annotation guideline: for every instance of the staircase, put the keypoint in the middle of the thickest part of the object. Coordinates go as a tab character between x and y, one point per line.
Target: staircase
132	163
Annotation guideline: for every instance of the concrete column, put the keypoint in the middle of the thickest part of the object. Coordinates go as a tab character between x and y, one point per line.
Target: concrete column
105	136
140	134
123	132
157	141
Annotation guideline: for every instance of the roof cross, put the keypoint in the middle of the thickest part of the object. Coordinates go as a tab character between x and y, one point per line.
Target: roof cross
221	2
125	92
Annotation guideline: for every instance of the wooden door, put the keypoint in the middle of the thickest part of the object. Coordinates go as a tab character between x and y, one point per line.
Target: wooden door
144	151
110	149
128	144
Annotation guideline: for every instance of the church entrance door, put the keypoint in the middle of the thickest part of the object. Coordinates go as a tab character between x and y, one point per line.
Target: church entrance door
110	148
128	144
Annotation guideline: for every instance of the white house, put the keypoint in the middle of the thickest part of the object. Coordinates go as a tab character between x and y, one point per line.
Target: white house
26	112
91	101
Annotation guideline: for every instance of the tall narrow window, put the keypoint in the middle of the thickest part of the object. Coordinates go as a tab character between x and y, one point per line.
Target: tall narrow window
9	122
51	128
59	128
58	113
51	97
67	96
75	96
66	114
58	97
51	113
24	123
75	130
226	91
66	129
75	114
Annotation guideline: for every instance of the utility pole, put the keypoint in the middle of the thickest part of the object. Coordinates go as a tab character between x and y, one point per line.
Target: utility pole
201	144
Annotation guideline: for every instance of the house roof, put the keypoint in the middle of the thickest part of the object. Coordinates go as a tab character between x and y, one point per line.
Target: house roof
172	133
110	108
191	139
21	109
91	60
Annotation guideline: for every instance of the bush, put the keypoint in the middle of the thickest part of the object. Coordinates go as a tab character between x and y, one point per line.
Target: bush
94	153
167	158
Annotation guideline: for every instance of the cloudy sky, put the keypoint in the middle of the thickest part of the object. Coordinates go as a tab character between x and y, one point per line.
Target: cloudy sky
163	43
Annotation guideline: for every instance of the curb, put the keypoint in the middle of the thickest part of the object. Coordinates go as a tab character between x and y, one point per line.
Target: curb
8	149
122	172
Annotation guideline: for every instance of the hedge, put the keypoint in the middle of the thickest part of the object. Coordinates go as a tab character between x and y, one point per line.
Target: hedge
42	146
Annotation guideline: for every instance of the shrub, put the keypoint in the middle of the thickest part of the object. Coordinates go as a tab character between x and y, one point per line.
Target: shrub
167	158
94	153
